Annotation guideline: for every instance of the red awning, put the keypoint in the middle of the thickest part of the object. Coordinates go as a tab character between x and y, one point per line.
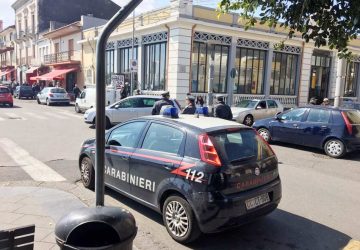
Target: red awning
56	74
6	72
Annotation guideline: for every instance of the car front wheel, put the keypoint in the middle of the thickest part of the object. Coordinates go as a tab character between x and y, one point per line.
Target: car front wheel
179	220
248	120
48	102
334	148
77	109
87	173
38	101
265	134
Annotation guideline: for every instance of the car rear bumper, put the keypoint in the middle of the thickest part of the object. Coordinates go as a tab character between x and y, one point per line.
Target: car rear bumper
52	100
352	144
216	212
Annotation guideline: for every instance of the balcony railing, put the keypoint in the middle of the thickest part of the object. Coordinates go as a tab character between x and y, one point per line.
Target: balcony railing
60	57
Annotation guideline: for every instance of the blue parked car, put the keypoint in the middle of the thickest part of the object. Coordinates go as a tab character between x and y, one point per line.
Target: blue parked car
335	130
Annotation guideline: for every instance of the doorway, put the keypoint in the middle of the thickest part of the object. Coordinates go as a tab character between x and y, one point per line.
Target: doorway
319	75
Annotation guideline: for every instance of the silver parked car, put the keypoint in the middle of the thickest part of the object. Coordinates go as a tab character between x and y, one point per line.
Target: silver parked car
247	111
128	108
52	95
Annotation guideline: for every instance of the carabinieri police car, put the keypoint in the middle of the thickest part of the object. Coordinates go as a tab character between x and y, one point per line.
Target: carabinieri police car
203	174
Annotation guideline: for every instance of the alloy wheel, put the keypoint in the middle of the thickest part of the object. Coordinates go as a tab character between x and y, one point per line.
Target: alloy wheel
334	148
264	133
248	121
176	218
85	172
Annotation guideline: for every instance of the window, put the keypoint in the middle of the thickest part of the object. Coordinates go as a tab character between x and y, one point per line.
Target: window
353	116
126	135
272	104
109	65
155	66
163	138
318	115
202	55
71	47
284	74
82	95
351	79
125	56
293	115
149	102
250	64
262	105
129	103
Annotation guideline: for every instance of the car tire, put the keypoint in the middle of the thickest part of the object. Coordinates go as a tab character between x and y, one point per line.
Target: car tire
248	120
265	134
77	108
38	100
334	148
177	211
87	173
48	102
108	123
19	97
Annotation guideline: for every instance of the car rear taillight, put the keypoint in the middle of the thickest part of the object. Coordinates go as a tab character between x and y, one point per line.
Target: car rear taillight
347	123
207	151
51	95
267	143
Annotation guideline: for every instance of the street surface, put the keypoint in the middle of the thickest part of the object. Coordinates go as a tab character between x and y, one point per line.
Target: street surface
39	146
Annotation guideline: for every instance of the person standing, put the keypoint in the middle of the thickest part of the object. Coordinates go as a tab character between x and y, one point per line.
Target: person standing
325	102
76	91
222	110
190	108
165	100
199	101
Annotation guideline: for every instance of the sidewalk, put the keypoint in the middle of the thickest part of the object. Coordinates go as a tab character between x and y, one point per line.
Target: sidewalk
21	206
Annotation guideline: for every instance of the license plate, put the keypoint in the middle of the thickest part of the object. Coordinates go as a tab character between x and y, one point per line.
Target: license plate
257	201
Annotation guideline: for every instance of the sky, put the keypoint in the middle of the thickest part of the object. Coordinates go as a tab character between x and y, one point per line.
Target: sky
8	16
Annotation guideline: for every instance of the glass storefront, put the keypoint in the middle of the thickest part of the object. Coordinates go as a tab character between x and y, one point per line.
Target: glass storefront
251	65
351	79
284	73
109	65
154	73
319	75
202	56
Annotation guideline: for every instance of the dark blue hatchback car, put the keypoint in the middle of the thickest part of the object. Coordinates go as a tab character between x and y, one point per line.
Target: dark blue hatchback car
336	130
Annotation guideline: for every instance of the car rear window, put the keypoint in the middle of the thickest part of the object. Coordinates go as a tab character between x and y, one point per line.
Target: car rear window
241	145
4	90
353	116
26	88
61	91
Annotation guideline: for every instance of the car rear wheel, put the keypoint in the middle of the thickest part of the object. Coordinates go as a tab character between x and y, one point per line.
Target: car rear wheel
77	109
265	134
179	220
334	148
48	102
87	173
248	120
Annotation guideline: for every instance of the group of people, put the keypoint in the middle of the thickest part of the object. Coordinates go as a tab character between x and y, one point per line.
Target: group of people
314	101
221	109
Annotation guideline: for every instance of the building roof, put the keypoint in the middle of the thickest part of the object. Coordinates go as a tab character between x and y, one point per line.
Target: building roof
63	31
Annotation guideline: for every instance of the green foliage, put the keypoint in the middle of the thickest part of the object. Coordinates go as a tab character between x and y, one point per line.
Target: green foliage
325	22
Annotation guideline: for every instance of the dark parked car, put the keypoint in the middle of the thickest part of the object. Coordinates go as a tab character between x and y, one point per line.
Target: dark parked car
24	91
203	174
336	130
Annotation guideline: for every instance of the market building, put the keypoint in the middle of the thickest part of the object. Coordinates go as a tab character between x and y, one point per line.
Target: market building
7	56
176	48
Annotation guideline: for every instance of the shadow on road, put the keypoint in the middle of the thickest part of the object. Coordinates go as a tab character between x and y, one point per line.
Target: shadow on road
7	107
279	230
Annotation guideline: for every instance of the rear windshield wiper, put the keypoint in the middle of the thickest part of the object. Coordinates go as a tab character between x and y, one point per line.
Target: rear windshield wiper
245	158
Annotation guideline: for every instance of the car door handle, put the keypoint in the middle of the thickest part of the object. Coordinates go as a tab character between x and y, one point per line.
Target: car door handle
125	158
168	165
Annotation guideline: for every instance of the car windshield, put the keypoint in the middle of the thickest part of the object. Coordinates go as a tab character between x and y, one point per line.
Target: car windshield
247	104
4	90
241	145
353	116
26	88
61	91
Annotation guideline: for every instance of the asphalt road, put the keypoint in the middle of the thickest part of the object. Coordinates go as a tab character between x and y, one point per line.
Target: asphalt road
319	208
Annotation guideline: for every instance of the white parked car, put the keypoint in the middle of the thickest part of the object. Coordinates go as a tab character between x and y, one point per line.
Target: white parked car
87	99
247	111
128	108
52	95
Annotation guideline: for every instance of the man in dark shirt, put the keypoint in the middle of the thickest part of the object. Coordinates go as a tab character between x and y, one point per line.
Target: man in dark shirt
162	102
190	108
222	110
76	91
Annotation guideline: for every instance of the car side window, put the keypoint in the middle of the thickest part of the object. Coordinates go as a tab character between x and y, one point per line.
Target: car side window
149	102
293	115
82	95
318	115
272	104
129	103
262	105
163	138
126	135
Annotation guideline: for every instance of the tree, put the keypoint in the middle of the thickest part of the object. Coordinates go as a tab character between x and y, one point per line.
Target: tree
325	22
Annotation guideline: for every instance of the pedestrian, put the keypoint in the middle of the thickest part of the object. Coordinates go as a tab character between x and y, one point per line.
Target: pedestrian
313	101
199	101
325	102
222	110
165	100
76	91
123	92
190	108
137	92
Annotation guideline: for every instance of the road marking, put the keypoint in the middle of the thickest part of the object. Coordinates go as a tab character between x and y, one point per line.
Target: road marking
36	116
352	245
15	116
70	115
33	167
55	115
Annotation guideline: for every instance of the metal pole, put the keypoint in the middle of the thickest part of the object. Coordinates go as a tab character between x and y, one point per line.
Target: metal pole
339	82
133	55
115	21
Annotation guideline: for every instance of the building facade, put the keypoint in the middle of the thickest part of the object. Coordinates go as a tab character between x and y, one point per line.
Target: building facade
186	48
7	55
